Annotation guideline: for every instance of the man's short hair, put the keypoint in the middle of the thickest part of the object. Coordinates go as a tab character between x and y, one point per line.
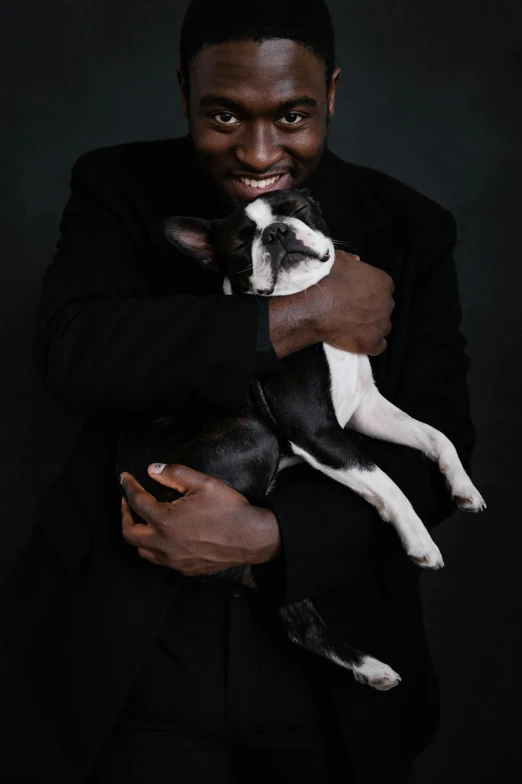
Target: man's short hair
209	22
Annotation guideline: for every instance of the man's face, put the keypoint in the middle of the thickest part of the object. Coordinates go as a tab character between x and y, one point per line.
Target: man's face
258	115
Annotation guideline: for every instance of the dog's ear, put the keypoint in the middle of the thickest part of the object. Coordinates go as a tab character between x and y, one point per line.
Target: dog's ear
195	237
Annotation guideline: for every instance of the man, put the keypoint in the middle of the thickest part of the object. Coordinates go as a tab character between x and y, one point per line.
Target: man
143	673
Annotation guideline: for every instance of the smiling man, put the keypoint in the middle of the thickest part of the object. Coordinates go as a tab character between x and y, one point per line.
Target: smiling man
144	673
261	134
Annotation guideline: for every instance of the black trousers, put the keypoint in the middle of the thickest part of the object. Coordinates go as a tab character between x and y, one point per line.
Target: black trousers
224	697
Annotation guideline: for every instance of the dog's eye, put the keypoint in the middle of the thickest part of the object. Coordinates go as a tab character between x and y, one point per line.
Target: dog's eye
300	210
241	246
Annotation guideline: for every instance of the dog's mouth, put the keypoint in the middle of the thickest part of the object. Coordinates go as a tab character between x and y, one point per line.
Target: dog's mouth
296	256
292	247
323	256
292	259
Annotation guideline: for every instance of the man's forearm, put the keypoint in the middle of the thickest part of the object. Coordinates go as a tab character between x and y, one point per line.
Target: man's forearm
292	323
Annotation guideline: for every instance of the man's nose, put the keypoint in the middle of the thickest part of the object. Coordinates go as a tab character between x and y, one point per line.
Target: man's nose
259	150
274	233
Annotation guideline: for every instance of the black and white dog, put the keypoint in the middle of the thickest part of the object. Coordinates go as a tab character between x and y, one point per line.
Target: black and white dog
276	245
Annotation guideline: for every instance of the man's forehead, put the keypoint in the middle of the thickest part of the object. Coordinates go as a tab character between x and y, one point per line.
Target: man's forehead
244	98
249	71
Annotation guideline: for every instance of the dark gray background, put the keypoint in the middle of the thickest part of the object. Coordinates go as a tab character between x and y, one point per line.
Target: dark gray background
429	94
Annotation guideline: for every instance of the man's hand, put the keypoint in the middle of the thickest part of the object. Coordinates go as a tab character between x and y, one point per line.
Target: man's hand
211	527
354	306
350	308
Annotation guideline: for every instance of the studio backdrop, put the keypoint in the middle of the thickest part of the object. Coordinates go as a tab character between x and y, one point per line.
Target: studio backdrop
430	94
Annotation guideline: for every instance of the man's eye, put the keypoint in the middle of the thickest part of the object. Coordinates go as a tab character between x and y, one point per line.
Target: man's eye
293	118
225	118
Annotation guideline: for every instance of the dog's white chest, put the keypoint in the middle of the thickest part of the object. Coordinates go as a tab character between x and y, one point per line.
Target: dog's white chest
350	377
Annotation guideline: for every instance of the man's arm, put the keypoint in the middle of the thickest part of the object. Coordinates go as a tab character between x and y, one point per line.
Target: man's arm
327	531
103	343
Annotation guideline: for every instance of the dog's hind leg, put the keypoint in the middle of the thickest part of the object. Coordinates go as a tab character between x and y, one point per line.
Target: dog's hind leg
377	417
333	455
301	403
306	628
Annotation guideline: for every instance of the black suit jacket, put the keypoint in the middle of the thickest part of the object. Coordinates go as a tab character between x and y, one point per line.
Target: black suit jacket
126	325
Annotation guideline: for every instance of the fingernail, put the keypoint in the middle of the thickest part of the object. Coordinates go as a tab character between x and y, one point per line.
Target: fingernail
121	479
157	468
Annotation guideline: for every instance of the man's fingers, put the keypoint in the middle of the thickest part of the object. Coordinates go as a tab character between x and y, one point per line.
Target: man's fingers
134	533
180	477
142	502
140	536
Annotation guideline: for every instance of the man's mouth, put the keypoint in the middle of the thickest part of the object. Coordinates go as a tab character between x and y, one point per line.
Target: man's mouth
260	183
249	188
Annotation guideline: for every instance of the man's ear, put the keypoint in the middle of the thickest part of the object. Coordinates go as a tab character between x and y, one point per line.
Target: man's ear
195	237
184	90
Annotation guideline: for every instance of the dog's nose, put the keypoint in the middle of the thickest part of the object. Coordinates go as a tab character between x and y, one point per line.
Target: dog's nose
273	233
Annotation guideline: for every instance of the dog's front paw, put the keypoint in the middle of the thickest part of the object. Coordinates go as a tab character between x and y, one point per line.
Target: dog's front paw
464	492
376	674
468	499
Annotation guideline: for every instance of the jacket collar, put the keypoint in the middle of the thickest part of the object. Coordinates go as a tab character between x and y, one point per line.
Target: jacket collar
351	211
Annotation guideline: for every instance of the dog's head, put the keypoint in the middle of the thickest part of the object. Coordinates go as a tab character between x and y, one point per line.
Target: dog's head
276	244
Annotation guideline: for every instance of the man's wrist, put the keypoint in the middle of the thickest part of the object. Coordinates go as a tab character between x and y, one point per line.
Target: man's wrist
294	323
264	534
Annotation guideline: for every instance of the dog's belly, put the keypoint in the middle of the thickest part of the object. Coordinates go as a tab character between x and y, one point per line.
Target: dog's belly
351	377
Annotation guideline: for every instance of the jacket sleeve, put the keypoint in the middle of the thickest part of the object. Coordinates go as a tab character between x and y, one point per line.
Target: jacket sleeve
104	344
329	534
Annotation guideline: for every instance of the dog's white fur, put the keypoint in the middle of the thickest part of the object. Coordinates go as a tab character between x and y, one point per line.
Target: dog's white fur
360	406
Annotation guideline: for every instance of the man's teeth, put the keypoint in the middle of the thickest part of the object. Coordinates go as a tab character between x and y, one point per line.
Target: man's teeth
259	183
